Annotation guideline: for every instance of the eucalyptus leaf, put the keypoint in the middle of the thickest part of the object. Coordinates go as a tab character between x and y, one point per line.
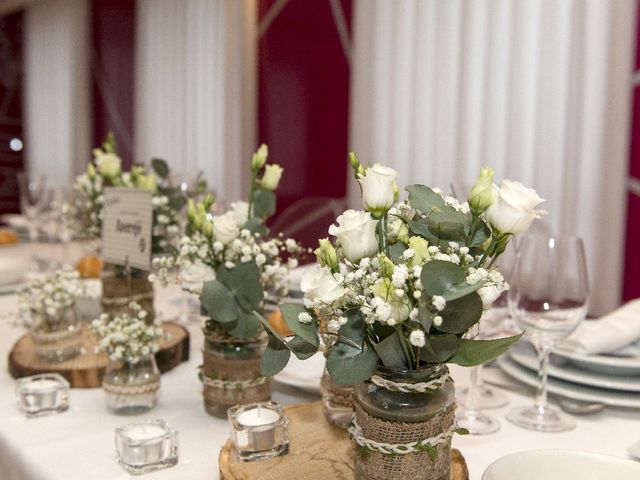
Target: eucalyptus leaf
440	348
461	314
354	328
422	229
439	276
348	365
477	352
246	326
255	225
301	348
306	331
395	252
177	202
218	302
275	357
390	352
482	234
160	167
264	203
244	283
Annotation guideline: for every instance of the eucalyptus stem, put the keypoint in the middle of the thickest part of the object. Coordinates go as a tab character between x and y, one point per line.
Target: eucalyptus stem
473	228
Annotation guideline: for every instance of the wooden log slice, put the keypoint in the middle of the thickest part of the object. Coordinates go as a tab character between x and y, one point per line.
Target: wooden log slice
317	451
86	370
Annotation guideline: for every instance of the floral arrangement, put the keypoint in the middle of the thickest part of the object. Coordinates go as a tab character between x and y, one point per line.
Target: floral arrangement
404	281
106	171
228	260
127	337
45	301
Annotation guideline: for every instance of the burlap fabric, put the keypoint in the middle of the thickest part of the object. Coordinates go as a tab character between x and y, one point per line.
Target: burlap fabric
119	291
216	366
337	395
372	465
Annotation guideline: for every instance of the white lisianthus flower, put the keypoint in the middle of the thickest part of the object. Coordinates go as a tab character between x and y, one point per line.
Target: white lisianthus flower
193	275
320	286
416	337
225	228
399	309
108	164
514	207
489	293
356	232
240	212
378	189
271	178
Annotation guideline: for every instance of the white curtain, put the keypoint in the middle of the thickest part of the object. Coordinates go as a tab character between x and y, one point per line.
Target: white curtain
537	89
195	88
56	89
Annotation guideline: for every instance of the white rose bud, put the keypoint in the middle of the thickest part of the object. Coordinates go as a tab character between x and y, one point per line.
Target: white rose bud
319	285
271	178
481	195
108	164
225	228
356	232
378	189
260	157
193	276
514	207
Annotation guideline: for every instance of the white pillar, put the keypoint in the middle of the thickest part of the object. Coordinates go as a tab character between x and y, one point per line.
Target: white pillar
56	72
196	88
540	90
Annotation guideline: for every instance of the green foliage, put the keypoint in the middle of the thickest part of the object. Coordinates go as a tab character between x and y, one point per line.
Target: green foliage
306	331
477	352
160	167
348	365
461	314
439	348
446	279
264	203
275	357
390	352
218	302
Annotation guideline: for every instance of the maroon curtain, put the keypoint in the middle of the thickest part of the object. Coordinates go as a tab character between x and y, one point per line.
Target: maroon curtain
303	99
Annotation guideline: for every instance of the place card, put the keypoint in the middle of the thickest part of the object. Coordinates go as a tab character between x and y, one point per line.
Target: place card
126	227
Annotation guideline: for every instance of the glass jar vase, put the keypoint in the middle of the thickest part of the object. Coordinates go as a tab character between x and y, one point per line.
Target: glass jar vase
397	408
338	401
122	286
56	338
231	373
131	387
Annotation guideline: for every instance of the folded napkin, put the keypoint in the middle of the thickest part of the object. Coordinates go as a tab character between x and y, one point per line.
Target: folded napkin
612	334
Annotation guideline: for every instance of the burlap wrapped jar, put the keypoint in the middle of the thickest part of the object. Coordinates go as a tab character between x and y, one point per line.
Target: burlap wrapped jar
231	372
58	338
403	423
121	287
338	401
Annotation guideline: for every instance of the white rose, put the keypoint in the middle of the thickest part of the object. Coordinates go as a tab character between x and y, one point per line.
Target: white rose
108	164
514	207
356	232
271	178
193	276
378	188
225	228
320	286
240	212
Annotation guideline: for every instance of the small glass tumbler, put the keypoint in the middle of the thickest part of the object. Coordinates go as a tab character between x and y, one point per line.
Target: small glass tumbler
42	394
146	446
258	430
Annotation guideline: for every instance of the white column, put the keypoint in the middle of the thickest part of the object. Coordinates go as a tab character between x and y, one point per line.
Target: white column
196	88
540	90
56	72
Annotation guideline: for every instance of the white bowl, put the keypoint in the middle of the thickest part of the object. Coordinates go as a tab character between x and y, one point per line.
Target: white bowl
14	264
561	465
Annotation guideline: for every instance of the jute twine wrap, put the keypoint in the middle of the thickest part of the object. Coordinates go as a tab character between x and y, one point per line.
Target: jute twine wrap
118	292
49	343
411	466
233	381
337	395
133	389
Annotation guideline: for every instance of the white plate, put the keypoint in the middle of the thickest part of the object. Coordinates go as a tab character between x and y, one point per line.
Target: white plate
561	465
607	364
614	398
525	356
303	374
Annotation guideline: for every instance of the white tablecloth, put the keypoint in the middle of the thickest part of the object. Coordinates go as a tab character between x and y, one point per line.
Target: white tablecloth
79	444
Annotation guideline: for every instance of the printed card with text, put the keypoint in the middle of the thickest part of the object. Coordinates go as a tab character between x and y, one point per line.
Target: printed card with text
126	227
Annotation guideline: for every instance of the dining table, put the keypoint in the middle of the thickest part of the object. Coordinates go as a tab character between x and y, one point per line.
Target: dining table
79	443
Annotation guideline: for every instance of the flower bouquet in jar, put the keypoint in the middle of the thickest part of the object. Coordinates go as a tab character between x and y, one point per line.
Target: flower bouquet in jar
401	284
230	262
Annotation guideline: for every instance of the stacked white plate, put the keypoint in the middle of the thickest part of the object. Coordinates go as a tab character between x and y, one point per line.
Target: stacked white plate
610	380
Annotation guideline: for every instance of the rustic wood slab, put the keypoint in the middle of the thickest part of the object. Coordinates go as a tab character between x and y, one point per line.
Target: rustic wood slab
86	370
317	451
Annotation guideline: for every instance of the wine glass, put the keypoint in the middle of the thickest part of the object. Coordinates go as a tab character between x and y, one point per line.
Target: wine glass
548	299
32	199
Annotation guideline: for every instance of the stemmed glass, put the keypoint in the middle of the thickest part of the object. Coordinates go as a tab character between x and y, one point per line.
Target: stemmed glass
33	198
548	298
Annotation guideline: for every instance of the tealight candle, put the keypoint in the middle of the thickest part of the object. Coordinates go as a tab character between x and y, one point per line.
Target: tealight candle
42	394
146	446
258	430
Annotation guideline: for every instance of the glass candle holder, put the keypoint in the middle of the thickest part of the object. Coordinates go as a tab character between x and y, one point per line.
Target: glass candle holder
42	394
146	446
258	430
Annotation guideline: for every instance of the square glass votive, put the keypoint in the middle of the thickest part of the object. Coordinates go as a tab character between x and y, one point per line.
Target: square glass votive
146	446
42	394
258	430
